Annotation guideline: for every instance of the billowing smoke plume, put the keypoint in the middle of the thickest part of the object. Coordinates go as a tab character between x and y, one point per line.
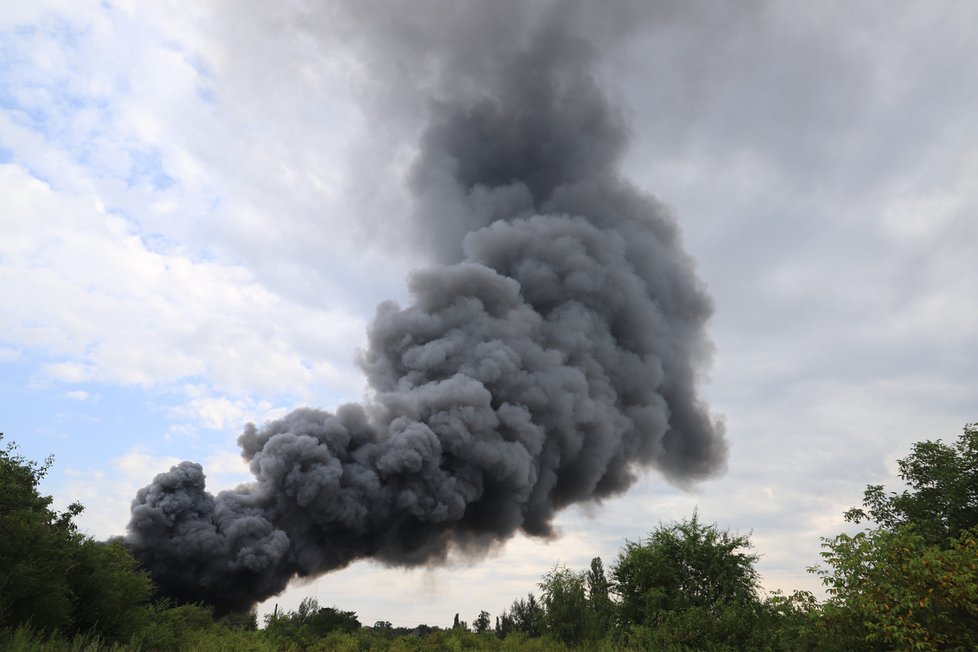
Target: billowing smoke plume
552	357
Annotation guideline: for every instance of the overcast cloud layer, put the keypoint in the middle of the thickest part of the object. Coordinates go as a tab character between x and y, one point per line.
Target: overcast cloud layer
189	195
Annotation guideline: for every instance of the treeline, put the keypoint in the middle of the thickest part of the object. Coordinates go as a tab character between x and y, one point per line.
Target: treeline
909	582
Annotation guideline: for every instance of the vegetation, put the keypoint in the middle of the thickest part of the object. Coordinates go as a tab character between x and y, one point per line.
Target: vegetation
51	577
912	581
907	581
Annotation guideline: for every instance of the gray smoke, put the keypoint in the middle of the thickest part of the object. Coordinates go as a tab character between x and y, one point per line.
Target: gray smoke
552	357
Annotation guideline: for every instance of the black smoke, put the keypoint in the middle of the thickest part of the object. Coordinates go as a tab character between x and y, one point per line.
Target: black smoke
551	357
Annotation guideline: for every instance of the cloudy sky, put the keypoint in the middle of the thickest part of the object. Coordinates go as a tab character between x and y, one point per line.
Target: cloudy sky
201	204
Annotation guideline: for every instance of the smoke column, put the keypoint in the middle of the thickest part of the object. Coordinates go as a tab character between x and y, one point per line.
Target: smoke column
551	356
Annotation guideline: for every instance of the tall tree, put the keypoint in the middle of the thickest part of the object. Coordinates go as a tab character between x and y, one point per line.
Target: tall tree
527	616
53	577
567	614
688	586
599	598
891	590
36	547
681	565
941	498
110	593
482	623
912	581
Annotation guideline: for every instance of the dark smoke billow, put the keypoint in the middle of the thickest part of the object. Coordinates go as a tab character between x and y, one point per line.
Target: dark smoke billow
550	359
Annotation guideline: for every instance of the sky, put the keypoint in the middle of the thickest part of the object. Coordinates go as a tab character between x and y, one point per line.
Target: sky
201	206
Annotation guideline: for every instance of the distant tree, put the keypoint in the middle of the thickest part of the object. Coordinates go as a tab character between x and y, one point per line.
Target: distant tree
527	616
308	623
424	630
482	623
306	609
567	614
599	598
459	624
504	624
247	622
170	626
330	619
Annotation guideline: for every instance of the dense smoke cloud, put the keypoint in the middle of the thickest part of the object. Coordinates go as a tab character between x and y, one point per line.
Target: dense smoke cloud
552	355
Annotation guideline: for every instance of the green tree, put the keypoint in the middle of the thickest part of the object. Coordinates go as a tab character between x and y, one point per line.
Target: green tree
567	616
482	623
911	582
686	586
525	616
941	499
459	624
793	623
893	590
682	565
110	594
599	598
318	621
246	622
51	576
36	547
170	627
504	624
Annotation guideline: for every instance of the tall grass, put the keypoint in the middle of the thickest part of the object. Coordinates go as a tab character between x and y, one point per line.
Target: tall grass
25	639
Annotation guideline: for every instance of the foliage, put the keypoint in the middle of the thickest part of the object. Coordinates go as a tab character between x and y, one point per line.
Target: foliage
911	583
25	639
51	577
171	627
599	598
942	495
459	624
681	566
577	607
687	585
36	555
524	616
482	623
791	623
110	592
567	616
894	590
247	622
309	624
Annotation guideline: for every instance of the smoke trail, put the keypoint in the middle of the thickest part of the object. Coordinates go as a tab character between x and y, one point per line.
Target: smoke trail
553	357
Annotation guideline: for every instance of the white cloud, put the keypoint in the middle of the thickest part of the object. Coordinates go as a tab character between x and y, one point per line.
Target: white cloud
10	354
138	464
205	408
84	287
107	494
